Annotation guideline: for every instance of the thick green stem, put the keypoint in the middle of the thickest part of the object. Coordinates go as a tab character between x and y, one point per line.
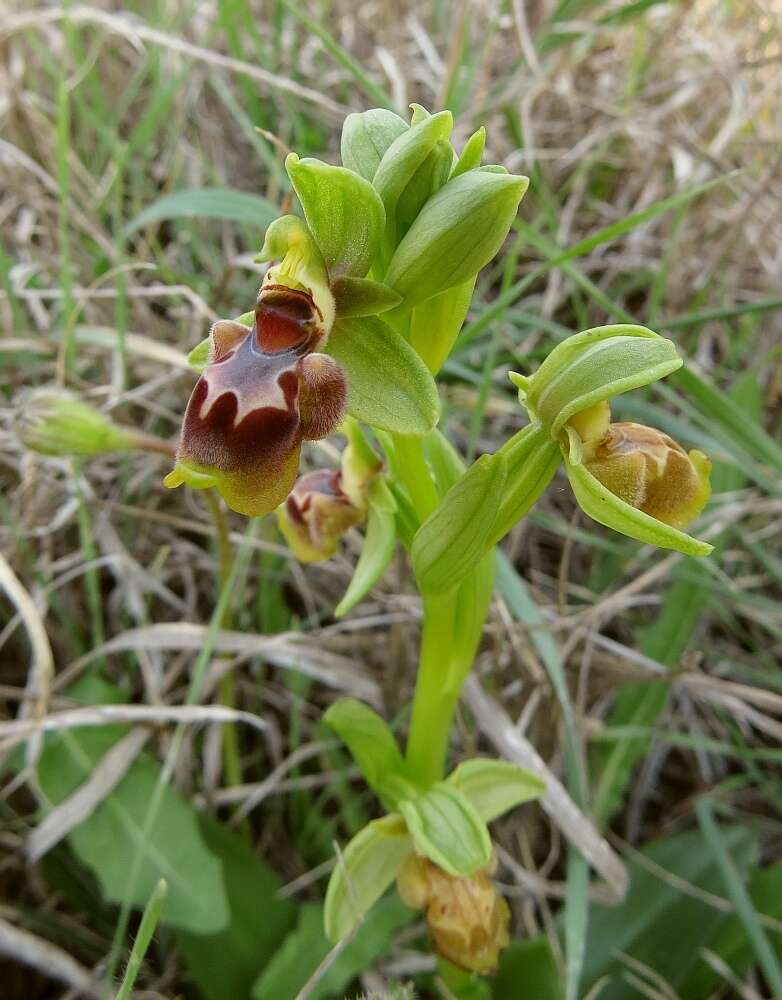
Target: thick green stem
435	699
415	475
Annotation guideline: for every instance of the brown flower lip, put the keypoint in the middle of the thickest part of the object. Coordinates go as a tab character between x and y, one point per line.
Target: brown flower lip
264	390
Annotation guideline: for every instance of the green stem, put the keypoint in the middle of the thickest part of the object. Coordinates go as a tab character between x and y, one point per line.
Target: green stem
434	701
415	475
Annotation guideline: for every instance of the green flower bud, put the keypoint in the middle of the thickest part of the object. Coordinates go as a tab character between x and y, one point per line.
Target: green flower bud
56	422
366	137
457	232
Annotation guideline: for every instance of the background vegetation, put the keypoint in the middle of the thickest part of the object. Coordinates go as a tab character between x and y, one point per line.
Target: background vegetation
141	156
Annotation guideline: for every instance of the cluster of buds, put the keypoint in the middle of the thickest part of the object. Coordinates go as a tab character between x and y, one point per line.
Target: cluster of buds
466	916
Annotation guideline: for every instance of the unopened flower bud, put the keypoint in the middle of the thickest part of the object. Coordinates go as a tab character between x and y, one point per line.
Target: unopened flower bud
467	918
56	422
649	471
316	515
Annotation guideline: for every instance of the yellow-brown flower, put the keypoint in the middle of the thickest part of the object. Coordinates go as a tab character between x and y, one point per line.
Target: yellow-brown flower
467	918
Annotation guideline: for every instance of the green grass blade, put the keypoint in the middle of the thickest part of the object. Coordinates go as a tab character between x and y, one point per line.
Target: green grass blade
740	897
146	929
208	203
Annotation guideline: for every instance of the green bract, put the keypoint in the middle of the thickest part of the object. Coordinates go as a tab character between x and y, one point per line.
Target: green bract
366	137
389	386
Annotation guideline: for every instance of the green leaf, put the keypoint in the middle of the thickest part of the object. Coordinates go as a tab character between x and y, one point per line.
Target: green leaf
606	508
458	231
366	137
472	154
528	969
389	386
207	203
369	739
658	923
344	213
226	964
306	947
448	829
495	786
362	297
595	365
532	458
174	850
379	541
364	870
730	939
455	537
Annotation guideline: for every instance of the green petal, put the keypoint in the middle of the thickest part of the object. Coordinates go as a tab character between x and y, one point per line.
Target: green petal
606	508
596	365
367	867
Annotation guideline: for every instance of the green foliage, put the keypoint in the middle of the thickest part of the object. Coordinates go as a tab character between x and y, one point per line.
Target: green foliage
225	964
207	203
379	543
175	848
369	739
528	969
306	947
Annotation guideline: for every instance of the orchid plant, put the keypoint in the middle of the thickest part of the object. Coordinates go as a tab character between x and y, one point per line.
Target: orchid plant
362	302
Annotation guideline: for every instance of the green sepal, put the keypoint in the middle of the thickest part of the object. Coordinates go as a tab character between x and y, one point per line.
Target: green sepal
495	786
448	829
594	366
472	154
379	541
458	231
365	138
389	386
453	539
366	868
344	213
606	508
368	738
401	160
532	459
418	113
435	324
362	297
198	357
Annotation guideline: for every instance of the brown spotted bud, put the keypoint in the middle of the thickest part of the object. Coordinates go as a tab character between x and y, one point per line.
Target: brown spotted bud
467	918
649	471
316	515
263	391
